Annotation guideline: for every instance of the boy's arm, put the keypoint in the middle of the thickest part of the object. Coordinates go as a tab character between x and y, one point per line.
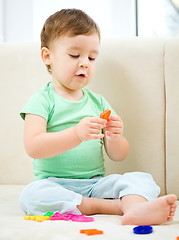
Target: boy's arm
116	146
40	144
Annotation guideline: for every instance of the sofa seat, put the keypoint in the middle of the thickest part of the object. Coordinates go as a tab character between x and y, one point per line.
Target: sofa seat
13	226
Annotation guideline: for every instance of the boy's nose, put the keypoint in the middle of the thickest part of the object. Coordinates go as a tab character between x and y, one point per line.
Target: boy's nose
83	63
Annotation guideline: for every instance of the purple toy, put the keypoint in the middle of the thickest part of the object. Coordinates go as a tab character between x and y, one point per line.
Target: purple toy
73	217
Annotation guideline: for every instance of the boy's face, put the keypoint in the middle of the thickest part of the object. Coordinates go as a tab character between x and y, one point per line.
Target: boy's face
73	60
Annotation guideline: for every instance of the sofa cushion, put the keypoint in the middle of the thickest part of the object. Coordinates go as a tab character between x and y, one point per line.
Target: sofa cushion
13	226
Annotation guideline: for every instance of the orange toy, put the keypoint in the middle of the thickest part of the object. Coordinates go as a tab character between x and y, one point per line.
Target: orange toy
91	231
105	114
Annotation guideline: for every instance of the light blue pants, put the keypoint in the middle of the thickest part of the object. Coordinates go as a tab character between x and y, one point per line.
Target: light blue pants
63	195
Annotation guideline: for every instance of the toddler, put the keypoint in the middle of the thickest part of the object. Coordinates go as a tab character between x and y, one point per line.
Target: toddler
64	135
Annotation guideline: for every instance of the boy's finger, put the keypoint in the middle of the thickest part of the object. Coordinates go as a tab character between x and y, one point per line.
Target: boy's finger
115	130
99	120
115	118
97	136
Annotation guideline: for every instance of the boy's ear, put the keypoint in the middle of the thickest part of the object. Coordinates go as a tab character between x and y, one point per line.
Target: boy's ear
45	55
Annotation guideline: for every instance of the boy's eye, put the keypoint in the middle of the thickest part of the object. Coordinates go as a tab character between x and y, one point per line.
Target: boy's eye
92	59
77	56
73	56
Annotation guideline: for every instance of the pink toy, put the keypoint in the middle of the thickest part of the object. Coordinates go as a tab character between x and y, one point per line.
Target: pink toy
73	217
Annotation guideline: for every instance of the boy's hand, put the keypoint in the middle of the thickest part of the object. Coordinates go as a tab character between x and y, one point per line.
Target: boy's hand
90	128
114	128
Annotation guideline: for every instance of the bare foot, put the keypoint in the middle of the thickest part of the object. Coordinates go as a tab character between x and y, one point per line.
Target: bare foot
155	212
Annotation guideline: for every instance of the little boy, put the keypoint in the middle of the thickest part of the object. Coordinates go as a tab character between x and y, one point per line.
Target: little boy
64	134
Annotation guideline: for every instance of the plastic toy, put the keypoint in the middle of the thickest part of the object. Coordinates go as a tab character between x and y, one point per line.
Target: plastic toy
105	114
49	214
37	218
72	217
145	229
91	231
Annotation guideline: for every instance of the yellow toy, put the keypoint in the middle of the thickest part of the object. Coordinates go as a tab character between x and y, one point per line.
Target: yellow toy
37	218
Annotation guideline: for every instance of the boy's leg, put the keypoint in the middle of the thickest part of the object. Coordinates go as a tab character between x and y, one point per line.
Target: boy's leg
102	199
90	206
111	187
138	211
139	193
46	195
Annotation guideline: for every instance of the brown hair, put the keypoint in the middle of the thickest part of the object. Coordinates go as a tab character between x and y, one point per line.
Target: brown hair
67	21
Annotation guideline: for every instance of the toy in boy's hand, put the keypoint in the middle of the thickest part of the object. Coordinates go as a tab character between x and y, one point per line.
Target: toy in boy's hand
105	114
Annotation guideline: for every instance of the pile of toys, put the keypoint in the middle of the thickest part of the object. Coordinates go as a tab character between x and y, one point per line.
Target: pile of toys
82	218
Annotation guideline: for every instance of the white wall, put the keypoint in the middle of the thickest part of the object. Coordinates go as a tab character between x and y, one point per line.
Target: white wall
22	20
18	20
158	18
1	20
116	18
123	18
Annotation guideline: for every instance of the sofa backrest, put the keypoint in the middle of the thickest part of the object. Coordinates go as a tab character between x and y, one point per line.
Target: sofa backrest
172	115
140	79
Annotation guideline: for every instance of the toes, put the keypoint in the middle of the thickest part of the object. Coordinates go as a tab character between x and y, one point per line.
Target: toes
172	214
169	219
172	210
174	206
171	199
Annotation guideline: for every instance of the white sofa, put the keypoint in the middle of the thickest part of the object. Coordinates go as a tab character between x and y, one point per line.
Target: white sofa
140	78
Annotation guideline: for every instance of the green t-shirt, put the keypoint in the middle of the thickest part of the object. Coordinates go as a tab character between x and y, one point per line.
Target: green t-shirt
85	160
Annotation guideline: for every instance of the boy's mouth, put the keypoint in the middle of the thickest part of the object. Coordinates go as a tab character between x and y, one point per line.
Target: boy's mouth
82	75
